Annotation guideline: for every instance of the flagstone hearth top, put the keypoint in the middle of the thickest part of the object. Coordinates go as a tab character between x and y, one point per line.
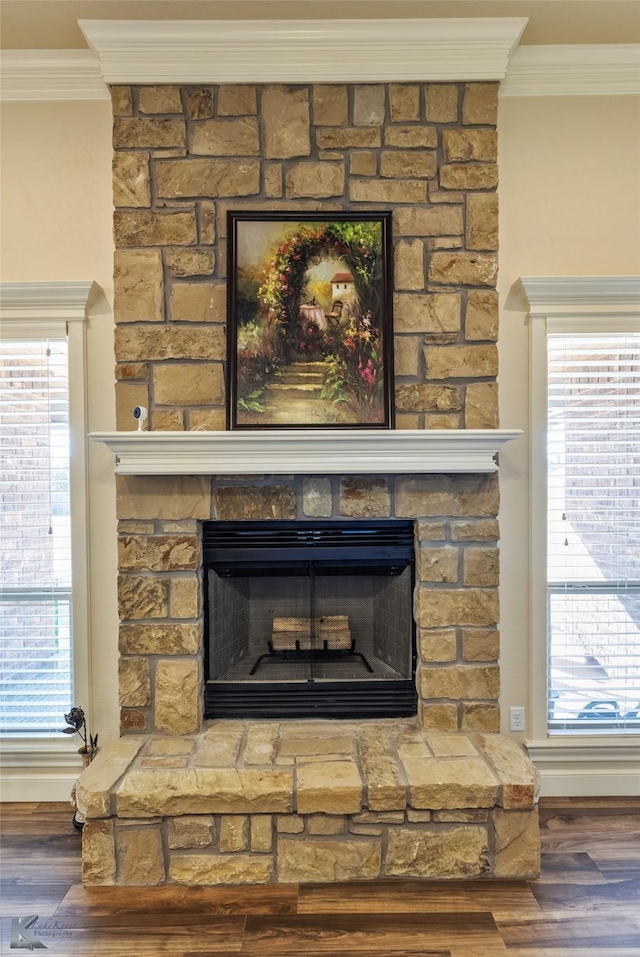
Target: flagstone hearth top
306	451
307	767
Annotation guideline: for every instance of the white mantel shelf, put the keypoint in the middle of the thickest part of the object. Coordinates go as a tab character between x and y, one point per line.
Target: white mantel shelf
302	451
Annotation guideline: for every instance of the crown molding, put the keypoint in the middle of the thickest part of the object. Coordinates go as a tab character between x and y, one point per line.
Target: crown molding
598	70
51	75
290	51
308	451
580	303
46	301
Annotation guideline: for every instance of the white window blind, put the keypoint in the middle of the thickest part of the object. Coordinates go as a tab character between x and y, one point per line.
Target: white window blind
593	541
36	672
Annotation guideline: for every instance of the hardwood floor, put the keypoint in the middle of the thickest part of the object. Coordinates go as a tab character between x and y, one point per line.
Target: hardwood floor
585	904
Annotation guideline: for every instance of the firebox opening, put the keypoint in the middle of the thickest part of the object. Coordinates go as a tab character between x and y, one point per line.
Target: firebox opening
309	619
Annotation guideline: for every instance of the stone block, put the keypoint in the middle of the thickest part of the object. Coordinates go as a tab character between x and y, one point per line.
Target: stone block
164	497
138	286
438	564
480	716
388	191
205	791
199	103
406	355
418	817
189	383
460	681
178	689
442	102
437	645
189	262
330	104
476	530
428	221
198	302
384	787
236	100
482	221
348	137
207	177
234	833
326	824
317	744
135	132
191	830
170	342
140	856
470	269
131	186
481	566
430	531
208	230
285	120
363	163
306	861
451	746
432	313
317	497
461	362
464	145
369	104
167	420
260	746
185	598
142	597
364	498
146	228
273	180
481	314
159	99
426	398
411	137
456	852
98	853
93	789
409	264
519	776
464	176
436	495
404	102
219	746
438	717
517	844
261	833
332	787
170	746
317	180
289	824
407	420
132	370
480	104
438	197
210	869
160	553
407	163
154	639
480	644
450	783
240	502
121	102
134	682
225	138
461	817
207	420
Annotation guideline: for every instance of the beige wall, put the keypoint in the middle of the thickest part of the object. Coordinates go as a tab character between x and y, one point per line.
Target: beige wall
55	223
569	198
569	205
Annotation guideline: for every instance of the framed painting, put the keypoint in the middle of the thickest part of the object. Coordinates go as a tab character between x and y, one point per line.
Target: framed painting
309	320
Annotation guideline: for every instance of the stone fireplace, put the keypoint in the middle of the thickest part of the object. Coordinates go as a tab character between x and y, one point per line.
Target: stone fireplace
439	795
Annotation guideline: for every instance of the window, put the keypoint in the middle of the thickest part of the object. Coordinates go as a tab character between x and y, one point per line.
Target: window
593	532
43	600
585	523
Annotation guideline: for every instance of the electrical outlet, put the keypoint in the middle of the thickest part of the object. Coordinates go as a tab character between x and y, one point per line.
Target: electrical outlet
516	719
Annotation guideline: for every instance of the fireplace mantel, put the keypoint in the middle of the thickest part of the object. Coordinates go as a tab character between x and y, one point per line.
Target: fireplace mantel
301	451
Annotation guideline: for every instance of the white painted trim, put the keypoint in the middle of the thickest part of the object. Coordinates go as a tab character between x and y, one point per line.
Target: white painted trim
324	451
296	51
36	309
51	75
579	304
574	70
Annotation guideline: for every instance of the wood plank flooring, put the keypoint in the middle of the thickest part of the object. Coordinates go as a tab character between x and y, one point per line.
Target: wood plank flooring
585	904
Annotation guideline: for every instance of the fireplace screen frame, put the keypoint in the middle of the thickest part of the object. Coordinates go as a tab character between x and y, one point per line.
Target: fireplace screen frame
381	542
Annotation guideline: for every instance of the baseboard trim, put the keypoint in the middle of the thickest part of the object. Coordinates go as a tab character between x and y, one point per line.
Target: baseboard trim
589	783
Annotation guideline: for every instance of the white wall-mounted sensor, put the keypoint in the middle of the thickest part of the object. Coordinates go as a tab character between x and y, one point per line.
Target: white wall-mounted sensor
140	413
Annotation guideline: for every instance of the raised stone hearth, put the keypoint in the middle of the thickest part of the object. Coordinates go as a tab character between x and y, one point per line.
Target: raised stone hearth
301	801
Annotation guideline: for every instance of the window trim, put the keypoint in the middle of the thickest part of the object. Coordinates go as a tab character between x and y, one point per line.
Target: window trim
38	310
566	304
